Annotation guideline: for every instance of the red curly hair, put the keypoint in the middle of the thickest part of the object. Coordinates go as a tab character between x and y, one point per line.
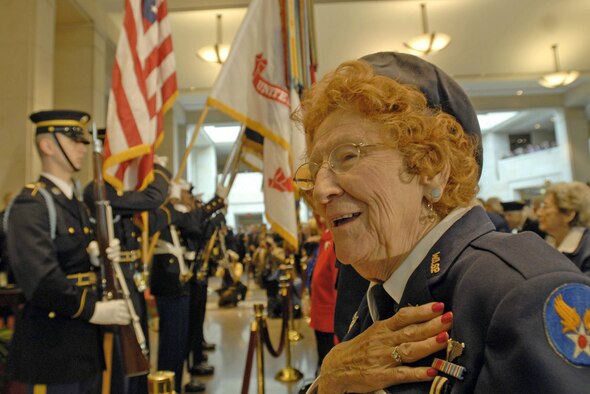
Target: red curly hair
428	139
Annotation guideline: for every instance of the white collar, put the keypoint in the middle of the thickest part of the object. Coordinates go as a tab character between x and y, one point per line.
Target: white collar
396	284
66	188
571	241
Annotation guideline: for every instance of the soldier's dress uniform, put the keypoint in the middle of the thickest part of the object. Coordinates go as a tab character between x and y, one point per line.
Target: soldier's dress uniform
49	230
198	288
126	206
53	341
520	308
172	294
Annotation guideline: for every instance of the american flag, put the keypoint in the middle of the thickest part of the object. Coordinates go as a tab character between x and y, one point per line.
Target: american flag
143	88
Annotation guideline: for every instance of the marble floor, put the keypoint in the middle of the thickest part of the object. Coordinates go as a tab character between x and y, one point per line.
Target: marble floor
229	328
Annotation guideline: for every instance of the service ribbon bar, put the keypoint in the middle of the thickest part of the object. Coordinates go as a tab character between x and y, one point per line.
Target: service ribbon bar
449	368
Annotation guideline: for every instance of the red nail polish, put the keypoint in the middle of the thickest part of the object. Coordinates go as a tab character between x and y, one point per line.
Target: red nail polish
438	307
447	317
431	372
442	337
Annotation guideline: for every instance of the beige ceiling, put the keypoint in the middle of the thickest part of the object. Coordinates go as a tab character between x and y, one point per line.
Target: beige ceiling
498	46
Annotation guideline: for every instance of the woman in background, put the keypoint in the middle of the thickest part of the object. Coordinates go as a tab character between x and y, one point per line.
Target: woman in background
565	217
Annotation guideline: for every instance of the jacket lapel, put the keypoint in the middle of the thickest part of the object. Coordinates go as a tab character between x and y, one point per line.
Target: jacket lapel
441	256
61	199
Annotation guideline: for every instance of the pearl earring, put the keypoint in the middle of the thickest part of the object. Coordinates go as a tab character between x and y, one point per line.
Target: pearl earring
435	193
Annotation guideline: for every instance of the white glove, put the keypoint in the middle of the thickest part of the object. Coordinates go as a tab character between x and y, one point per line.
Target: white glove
114	250
161	160
93	253
111	312
175	189
222	191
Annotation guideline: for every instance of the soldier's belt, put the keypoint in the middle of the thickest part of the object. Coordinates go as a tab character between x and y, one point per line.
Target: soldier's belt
83	278
129	256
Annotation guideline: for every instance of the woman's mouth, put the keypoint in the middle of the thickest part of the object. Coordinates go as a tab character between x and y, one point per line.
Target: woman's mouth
343	219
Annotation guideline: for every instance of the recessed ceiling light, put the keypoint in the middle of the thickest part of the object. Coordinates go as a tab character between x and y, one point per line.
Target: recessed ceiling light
537	126
519	92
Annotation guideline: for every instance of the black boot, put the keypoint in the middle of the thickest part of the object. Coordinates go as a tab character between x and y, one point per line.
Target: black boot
194	386
202	369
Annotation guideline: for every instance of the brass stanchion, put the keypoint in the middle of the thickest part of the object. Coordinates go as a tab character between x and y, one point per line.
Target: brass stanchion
259	322
287	374
161	382
294	335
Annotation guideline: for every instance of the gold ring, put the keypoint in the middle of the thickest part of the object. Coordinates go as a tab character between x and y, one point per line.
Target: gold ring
396	356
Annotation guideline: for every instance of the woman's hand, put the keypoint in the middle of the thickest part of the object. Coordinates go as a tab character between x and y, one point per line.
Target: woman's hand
366	363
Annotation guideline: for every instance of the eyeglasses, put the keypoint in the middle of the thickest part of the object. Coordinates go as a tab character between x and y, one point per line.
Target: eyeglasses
342	159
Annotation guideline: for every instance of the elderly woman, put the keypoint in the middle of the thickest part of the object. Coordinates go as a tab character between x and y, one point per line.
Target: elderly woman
565	217
393	167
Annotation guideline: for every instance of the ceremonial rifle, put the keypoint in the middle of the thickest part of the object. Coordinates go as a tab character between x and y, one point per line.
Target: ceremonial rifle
133	342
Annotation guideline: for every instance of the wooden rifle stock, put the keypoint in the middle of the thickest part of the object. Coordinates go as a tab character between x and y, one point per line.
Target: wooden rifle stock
135	359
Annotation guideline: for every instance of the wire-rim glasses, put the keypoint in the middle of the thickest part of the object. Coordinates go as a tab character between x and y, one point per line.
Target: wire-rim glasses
342	159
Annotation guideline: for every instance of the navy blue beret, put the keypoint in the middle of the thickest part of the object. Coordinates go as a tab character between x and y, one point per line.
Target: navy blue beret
441	90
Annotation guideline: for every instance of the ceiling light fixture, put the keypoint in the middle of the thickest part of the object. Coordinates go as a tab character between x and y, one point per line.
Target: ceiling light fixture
428	42
558	78
218	52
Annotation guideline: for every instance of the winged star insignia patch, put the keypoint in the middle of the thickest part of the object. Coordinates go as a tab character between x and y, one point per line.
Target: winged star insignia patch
567	322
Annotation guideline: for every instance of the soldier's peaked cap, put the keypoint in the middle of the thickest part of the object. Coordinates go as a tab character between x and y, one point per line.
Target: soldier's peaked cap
441	90
68	122
510	206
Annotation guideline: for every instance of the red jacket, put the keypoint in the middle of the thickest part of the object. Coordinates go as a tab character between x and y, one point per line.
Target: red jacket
323	291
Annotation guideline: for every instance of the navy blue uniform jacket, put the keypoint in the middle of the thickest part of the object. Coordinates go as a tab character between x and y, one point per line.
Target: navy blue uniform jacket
53	341
501	288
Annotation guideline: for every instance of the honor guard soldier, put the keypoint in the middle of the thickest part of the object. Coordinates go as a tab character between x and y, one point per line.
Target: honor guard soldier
57	340
518	220
126	207
169	279
199	242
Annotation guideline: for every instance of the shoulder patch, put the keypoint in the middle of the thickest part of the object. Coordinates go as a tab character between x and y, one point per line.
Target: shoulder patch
567	323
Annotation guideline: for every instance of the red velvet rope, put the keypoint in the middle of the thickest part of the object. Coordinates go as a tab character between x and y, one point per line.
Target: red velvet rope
249	361
284	330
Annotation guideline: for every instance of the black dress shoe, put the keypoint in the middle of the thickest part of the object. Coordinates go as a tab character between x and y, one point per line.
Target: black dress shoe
208	346
202	370
194	387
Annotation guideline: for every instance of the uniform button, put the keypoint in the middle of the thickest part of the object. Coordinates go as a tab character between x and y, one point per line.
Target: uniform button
171	261
71	230
133	233
51	315
86	230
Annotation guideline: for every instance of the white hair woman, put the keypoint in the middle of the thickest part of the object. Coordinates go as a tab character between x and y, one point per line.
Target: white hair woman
565	216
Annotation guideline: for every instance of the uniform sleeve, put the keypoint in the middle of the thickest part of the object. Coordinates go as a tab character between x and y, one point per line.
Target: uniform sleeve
536	341
162	217
33	260
130	202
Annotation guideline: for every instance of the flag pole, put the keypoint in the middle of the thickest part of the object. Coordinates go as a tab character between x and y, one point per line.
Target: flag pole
187	152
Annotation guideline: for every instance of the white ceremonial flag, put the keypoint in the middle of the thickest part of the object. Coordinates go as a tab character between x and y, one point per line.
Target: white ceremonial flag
251	88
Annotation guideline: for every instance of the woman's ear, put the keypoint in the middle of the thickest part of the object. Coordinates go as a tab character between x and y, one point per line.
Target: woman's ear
433	187
569	217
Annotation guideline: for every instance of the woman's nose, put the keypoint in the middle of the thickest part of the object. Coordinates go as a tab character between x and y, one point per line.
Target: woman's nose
326	185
